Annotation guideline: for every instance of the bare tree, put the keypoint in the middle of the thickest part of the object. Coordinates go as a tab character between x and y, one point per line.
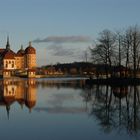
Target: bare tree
131	48
107	40
121	48
103	52
135	48
127	41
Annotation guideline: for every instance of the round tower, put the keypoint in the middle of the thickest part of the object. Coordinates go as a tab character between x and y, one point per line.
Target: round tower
30	54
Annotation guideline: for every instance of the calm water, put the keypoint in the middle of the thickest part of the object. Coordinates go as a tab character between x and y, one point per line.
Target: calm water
65	109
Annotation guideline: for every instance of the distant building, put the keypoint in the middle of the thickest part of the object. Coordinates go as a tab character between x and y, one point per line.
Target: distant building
23	60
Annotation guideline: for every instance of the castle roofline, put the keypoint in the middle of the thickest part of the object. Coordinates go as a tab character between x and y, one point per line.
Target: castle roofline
8	54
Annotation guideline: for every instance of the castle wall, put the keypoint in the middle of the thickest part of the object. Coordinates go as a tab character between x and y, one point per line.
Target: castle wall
30	61
20	62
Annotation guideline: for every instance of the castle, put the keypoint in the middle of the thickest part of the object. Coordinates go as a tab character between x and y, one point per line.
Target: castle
12	63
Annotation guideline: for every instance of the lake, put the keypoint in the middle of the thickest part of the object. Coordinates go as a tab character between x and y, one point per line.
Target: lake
66	109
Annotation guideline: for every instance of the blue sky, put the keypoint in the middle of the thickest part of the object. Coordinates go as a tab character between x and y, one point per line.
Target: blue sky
64	20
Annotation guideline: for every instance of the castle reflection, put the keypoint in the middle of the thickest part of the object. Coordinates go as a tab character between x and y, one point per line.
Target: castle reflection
24	92
113	107
21	91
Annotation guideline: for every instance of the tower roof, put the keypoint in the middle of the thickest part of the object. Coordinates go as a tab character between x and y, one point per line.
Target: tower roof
21	52
8	54
8	44
30	49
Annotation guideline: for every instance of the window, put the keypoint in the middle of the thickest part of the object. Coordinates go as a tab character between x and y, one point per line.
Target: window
12	64
12	90
6	90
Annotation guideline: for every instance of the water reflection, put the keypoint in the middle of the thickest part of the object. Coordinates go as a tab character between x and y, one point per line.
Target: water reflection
21	91
115	108
112	108
24	92
61	101
61	83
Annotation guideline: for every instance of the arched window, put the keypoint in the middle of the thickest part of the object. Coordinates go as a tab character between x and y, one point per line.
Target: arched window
12	90
12	65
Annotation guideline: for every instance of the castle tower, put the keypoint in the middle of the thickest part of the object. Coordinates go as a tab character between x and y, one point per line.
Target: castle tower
8	60
20	60
30	57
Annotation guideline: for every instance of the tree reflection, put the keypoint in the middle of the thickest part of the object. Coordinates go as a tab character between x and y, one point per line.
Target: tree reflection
115	107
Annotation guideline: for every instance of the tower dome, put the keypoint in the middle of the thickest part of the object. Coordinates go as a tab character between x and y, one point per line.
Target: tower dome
30	49
20	52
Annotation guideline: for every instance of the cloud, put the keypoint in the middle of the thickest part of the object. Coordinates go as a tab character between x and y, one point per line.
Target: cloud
64	52
64	39
60	50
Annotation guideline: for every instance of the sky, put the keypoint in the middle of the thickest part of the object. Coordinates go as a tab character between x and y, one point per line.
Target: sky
62	30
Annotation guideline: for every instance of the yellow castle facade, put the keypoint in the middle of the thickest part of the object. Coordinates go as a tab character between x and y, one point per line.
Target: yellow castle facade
22	60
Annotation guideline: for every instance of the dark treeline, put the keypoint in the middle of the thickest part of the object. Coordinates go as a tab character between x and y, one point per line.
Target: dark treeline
77	68
118	49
